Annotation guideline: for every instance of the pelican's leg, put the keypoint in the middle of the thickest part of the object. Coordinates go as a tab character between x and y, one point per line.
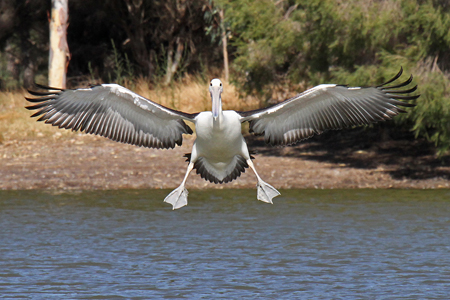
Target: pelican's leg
178	197
266	192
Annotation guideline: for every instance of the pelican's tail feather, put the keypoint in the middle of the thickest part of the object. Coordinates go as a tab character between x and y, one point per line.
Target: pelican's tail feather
178	197
234	168
266	192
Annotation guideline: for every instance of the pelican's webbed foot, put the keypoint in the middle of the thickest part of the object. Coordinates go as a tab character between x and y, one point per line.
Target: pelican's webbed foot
178	197
266	192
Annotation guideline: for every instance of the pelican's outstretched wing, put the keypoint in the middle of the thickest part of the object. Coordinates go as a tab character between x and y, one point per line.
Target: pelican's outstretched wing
112	111
327	106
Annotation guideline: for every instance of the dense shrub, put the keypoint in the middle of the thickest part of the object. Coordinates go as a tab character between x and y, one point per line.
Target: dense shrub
352	42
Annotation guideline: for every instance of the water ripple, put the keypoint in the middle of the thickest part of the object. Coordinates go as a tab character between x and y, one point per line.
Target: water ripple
225	244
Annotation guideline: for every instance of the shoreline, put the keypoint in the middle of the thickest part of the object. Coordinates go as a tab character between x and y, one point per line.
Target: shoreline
86	162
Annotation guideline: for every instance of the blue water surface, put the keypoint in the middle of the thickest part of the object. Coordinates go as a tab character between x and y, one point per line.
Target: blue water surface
311	244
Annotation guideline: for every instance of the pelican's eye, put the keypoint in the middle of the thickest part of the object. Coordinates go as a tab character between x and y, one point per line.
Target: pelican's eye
210	84
221	84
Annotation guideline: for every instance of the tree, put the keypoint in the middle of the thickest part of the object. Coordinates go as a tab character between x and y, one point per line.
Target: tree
59	49
224	46
163	37
23	40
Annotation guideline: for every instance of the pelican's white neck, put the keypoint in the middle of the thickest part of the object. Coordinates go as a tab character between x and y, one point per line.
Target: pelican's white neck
216	89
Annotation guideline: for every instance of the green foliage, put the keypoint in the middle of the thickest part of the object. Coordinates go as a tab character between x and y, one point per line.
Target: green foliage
212	21
432	115
352	42
123	70
263	39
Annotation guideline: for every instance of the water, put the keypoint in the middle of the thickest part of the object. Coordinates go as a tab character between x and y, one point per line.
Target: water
369	244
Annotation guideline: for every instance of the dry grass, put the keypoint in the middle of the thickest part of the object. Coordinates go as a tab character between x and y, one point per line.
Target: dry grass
15	121
189	95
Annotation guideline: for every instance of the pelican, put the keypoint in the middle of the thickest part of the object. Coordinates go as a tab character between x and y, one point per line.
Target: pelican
219	153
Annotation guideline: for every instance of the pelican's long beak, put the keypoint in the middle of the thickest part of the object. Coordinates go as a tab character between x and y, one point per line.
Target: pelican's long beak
216	101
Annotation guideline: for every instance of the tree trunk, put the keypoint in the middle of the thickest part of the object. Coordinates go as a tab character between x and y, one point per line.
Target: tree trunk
59	49
224	45
173	62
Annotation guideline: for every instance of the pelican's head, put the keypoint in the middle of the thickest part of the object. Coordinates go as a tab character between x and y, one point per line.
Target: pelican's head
216	89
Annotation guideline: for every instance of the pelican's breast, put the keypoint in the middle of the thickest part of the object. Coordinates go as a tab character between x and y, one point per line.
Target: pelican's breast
218	141
221	149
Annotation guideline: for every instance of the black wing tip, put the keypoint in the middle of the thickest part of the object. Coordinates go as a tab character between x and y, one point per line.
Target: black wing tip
393	78
41	99
189	129
411	90
45	87
394	94
31	107
384	88
414	97
39	94
404	104
50	93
